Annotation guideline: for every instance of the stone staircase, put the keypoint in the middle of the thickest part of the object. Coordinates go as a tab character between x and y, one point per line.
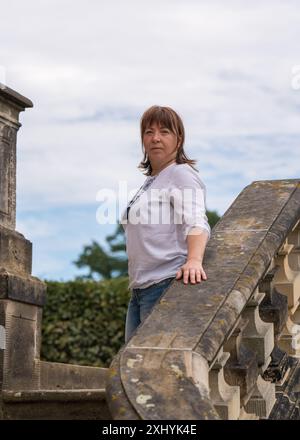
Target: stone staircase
227	348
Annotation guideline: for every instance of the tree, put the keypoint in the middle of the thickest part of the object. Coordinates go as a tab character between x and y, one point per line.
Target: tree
114	263
105	264
213	218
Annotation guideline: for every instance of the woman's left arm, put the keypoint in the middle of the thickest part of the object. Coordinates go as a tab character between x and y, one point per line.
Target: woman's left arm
193	269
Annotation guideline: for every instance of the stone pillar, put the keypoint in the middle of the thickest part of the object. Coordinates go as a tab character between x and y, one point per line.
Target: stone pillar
11	104
21	295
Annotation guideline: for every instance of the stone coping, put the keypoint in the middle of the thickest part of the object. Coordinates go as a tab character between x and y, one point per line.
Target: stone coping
26	289
59	376
15	97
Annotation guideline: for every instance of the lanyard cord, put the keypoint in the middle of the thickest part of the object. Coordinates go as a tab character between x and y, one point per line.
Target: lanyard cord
142	189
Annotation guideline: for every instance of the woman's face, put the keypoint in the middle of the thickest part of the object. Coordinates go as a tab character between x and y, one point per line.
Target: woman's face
160	144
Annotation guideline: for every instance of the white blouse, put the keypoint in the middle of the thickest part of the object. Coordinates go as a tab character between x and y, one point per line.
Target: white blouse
158	220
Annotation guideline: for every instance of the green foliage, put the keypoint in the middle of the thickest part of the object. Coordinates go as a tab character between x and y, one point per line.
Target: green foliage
117	240
84	321
213	217
106	264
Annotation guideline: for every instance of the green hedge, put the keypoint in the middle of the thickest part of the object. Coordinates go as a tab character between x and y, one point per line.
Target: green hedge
84	321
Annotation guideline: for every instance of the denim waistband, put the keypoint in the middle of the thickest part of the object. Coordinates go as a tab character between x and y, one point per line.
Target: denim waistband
138	289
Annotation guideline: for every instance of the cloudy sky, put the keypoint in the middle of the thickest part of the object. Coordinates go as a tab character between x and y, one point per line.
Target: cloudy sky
231	70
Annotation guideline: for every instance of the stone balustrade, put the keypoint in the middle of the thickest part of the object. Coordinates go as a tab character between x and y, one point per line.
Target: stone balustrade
226	348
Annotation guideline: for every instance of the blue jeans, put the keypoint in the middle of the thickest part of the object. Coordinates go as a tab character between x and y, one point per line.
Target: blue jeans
141	304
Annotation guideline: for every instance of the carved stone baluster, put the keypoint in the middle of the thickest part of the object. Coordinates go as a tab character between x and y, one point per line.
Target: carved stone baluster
294	239
279	367
241	368
259	337
284	368
287	282
262	399
274	308
290	338
244	415
225	398
294	261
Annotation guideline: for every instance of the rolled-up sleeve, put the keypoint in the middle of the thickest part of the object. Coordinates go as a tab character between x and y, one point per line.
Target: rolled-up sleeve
188	197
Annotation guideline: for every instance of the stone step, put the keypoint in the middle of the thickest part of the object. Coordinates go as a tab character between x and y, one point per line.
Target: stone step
55	405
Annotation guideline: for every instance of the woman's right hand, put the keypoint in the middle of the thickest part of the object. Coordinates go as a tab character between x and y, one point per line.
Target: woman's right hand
192	270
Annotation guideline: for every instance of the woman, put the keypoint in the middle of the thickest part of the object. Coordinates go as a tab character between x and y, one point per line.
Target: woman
165	224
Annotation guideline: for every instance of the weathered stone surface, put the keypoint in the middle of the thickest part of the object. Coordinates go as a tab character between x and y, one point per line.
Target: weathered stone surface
278	367
225	397
266	198
20	370
221	325
289	340
254	270
244	415
56	376
15	252
288	394
27	289
118	402
262	399
11	104
286	280
242	373
7	174
258	335
241	368
174	309
200	318
274	308
14	99
147	372
55	405
4	178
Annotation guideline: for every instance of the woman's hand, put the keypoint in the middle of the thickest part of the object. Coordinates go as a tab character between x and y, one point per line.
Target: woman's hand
192	269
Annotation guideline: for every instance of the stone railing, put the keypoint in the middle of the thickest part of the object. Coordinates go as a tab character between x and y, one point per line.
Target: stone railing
228	347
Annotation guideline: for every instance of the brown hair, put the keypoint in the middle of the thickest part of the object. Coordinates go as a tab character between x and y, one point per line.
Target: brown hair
168	118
